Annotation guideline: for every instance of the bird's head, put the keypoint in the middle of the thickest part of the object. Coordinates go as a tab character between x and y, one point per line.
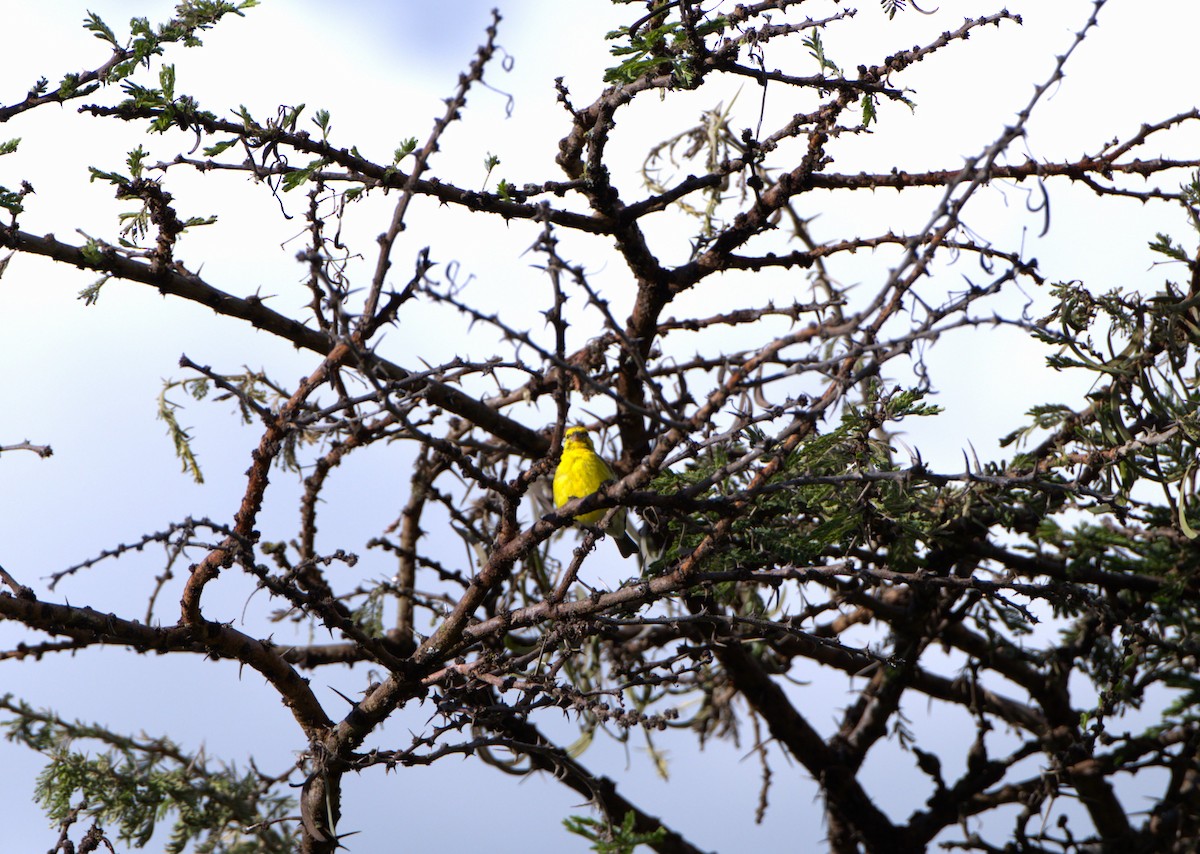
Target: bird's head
576	438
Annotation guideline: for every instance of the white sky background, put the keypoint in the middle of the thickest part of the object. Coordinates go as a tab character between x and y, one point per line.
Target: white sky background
86	380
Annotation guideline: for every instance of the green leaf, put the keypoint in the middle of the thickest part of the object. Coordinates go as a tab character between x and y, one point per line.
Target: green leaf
321	120
181	439
406	148
607	838
297	177
100	29
816	49
166	79
869	104
1163	245
220	147
10	201
135	161
68	86
136	783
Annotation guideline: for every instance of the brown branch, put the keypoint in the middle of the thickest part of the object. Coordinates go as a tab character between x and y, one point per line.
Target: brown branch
844	796
42	451
359	170
89	627
454	105
181	283
552	759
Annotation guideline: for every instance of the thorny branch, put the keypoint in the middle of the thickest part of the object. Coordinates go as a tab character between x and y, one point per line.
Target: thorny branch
777	524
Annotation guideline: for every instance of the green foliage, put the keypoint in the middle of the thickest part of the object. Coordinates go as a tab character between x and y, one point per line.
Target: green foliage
490	162
193	221
711	142
136	161
1124	664
1147	395
322	120
253	392
180	437
290	117
11	200
146	41
69	87
218	148
609	838
298	177
869	104
169	110
797	514
666	47
406	148
1141	430
1163	245
891	7
136	225
101	30
834	490
133	784
369	614
92	252
816	49
91	294
1189	197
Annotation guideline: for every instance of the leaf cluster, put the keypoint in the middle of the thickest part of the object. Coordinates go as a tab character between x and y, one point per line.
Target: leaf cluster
135	785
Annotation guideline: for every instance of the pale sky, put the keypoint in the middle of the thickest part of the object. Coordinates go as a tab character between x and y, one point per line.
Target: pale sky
86	380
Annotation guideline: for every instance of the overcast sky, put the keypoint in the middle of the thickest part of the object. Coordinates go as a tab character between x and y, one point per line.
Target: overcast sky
86	380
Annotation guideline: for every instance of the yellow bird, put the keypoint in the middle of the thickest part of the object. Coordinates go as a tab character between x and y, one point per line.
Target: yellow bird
582	471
